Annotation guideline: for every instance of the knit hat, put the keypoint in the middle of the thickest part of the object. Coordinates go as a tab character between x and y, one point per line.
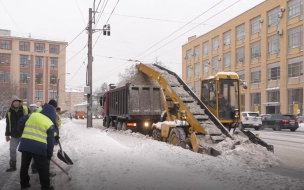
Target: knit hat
53	103
15	98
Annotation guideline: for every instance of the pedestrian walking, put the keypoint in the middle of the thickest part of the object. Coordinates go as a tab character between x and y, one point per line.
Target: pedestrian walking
37	142
16	111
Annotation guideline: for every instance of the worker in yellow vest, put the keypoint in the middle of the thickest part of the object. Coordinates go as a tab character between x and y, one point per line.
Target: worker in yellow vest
12	134
37	142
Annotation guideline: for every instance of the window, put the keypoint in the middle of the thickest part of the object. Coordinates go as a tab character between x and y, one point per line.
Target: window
39	62
38	94
5	59
190	85
196	51
24	61
273	18
206	66
255	25
227	37
227	59
215	63
54	49
294	8
295	67
255	75
197	87
274	71
255	100
240	55
205	48
216	43
240	32
273	44
54	63
189	55
196	69
53	94
295	37
273	96
24	46
5	76
5	44
39	47
39	78
255	50
53	79
295	96
23	93
23	78
189	72
241	75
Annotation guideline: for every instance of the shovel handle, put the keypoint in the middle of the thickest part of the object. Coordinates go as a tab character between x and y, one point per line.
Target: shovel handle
60	167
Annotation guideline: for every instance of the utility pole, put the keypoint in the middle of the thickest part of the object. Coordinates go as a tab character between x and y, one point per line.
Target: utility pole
89	70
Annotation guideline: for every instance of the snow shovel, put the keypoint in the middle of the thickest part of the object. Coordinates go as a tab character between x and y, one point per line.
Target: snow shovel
61	168
63	156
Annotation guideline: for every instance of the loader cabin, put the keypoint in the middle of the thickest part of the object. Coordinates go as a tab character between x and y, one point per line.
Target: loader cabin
222	95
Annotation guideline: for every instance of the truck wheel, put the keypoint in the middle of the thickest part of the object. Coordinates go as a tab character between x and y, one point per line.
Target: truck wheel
119	126
177	137
156	135
293	129
107	122
257	128
124	126
277	127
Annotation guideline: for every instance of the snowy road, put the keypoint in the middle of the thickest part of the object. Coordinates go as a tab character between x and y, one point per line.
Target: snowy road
289	147
108	159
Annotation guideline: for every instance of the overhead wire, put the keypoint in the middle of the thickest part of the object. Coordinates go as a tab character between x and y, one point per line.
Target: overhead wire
10	16
192	28
80	13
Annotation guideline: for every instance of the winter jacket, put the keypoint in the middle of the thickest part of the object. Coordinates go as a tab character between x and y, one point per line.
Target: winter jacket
38	132
12	117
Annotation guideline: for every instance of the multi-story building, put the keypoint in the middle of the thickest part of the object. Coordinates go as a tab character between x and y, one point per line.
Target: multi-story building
264	46
47	65
73	97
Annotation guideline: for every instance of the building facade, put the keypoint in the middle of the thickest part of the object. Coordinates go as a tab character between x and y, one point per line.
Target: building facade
73	97
47	65
264	46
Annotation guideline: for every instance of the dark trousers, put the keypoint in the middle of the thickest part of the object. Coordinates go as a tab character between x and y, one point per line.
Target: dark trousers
43	167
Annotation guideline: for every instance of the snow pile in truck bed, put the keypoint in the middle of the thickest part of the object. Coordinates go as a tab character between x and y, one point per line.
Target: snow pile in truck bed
171	79
138	78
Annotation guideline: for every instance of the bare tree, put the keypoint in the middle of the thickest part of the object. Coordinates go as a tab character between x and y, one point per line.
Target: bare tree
129	71
7	90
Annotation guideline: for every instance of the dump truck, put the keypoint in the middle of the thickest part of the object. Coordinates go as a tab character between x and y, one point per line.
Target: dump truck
133	107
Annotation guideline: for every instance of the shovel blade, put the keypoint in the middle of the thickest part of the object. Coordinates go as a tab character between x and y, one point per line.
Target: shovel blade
64	157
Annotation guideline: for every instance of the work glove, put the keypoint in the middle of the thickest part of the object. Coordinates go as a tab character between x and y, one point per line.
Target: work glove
7	138
57	137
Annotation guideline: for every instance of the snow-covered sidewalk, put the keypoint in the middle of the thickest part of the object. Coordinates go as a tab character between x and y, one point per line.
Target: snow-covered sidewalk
110	159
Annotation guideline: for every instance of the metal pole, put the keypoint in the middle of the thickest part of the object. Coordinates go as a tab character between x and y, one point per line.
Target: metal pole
29	89
89	73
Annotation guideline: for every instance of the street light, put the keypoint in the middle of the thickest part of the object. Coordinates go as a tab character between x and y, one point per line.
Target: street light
58	85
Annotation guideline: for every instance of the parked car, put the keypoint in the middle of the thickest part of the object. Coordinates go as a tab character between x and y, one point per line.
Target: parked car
263	116
300	118
93	117
99	116
251	120
281	121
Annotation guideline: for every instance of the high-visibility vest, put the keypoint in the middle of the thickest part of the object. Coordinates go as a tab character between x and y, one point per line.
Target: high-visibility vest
58	120
36	128
25	112
39	109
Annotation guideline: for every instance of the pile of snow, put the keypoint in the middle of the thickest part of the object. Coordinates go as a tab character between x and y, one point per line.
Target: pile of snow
138	78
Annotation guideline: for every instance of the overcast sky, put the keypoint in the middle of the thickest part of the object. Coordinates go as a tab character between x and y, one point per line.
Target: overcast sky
136	26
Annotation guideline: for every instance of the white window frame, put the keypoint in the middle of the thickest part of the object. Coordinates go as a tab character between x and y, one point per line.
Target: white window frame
255	25
197	51
295	37
274	44
196	87
197	69
227	38
255	49
240	55
255	75
189	72
273	17
240	32
205	48
215	43
295	67
227	59
295	8
215	63
206	66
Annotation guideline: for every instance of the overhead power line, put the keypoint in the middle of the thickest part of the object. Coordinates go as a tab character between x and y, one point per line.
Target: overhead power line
192	28
80	13
10	16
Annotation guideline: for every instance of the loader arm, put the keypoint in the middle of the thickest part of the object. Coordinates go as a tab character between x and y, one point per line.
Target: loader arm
199	116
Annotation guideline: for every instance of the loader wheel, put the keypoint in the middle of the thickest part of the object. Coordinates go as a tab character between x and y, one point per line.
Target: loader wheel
177	137
156	135
119	126
277	127
124	126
